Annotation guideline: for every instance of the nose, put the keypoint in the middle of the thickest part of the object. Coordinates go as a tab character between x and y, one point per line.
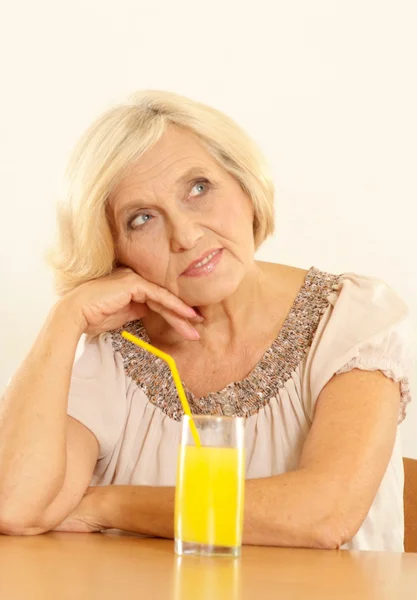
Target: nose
185	233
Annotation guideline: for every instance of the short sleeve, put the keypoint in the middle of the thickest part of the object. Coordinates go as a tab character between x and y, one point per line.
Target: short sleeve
97	395
364	327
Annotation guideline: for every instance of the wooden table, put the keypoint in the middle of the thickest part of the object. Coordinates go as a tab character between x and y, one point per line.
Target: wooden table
63	566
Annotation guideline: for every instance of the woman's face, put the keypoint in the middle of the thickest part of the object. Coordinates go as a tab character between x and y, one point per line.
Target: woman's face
181	221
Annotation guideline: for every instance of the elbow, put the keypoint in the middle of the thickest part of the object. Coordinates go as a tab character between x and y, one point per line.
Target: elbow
332	534
13	522
20	516
335	523
327	540
17	528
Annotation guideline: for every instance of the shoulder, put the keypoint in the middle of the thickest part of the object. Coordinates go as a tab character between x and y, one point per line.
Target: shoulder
333	315
365	305
349	292
364	326
372	289
293	287
355	309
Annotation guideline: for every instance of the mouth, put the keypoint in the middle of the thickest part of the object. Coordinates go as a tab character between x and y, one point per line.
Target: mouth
205	264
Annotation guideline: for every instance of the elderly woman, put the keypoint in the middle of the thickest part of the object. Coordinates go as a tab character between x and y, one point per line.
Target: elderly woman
166	202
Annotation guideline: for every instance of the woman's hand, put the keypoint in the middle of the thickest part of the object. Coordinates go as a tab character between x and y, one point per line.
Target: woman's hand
86	517
110	302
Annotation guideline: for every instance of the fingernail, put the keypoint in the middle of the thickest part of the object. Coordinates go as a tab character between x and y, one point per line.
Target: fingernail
191	311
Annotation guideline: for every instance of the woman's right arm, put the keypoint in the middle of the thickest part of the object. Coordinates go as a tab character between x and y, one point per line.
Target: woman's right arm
33	424
47	458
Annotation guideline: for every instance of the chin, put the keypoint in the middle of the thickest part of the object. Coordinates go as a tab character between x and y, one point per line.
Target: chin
209	292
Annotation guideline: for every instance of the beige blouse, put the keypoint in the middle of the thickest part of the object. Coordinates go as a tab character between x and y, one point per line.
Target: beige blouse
126	396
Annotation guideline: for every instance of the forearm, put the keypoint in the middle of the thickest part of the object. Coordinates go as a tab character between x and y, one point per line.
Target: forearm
140	509
287	510
33	421
297	509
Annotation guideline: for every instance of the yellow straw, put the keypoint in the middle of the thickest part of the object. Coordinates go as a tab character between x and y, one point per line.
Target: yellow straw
175	375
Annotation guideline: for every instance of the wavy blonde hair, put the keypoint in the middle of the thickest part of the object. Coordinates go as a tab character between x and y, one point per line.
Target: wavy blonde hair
84	248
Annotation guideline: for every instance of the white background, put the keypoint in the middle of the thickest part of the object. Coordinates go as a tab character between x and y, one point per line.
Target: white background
327	88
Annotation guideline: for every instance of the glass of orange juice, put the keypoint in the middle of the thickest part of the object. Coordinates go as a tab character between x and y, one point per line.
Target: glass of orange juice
210	487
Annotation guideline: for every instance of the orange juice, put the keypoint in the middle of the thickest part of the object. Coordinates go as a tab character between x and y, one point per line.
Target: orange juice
209	496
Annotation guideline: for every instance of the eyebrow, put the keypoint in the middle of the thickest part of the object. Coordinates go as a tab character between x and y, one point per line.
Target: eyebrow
187	177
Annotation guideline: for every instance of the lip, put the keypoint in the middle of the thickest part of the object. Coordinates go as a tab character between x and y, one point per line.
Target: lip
193	271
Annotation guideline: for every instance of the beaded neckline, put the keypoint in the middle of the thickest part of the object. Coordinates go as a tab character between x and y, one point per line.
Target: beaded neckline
247	396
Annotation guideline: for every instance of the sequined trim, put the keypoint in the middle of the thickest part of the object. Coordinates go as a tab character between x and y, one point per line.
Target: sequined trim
241	398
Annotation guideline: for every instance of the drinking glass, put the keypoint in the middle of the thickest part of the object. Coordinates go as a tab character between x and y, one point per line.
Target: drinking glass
210	487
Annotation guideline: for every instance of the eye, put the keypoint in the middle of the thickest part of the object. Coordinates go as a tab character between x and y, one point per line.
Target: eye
199	188
139	221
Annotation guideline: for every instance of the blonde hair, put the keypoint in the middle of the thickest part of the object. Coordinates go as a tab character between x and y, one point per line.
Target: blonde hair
84	249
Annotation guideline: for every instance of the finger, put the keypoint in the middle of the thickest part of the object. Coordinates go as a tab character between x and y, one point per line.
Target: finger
182	326
132	312
164	298
197	319
137	311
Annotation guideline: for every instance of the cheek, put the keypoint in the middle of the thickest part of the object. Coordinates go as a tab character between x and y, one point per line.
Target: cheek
235	217
147	258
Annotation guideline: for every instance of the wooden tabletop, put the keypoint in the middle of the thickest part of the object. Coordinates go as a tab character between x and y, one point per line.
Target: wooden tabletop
62	566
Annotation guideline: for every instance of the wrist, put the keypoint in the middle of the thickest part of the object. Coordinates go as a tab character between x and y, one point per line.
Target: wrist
103	506
66	314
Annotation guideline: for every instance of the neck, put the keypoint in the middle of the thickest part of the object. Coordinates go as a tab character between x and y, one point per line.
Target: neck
232	313
225	320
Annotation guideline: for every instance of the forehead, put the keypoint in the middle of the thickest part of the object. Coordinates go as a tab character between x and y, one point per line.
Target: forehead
176	152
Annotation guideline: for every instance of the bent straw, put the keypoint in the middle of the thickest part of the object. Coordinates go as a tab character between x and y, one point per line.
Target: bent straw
175	375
